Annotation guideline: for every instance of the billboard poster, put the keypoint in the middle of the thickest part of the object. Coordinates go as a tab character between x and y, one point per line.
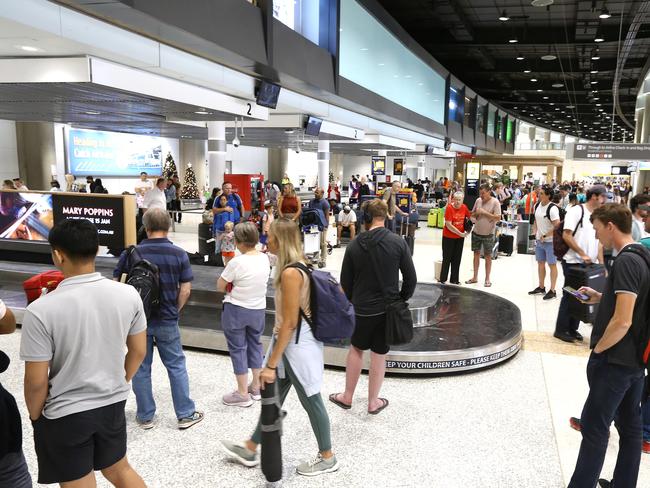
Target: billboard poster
398	167
378	166
99	153
25	216
105	212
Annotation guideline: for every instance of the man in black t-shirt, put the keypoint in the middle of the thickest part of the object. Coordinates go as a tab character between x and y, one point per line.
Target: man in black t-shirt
13	468
615	370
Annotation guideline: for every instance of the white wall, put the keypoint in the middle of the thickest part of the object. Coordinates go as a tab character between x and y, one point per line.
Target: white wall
8	150
302	166
248	159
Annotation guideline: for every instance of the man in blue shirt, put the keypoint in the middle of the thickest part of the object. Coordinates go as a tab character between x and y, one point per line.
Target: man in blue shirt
321	203
175	286
234	205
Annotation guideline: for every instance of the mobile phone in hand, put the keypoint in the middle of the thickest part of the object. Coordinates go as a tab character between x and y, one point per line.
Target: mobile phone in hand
580	296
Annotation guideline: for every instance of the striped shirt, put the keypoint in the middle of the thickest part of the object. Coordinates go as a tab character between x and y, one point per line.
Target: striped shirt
174	267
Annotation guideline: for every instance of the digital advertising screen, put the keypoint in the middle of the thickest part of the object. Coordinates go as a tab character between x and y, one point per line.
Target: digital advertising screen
100	153
106	213
398	167
25	216
378	166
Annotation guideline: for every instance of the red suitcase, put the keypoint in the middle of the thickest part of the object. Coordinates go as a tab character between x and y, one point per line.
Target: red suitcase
41	283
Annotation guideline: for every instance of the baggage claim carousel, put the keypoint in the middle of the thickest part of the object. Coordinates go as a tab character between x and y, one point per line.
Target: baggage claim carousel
456	329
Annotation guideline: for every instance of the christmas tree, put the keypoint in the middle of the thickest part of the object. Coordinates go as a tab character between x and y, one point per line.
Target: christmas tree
169	168
190	190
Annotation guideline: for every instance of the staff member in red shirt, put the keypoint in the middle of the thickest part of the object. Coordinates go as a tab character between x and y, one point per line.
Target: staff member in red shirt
453	238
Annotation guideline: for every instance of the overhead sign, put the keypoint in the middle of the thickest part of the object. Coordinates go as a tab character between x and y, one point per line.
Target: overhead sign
107	213
99	153
609	151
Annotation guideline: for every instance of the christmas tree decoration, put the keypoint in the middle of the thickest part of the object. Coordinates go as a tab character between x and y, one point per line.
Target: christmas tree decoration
190	190
169	168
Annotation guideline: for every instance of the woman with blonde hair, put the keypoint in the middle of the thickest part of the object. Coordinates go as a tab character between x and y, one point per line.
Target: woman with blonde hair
297	363
289	203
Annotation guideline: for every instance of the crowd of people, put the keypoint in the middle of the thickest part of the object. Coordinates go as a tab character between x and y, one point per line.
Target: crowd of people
79	419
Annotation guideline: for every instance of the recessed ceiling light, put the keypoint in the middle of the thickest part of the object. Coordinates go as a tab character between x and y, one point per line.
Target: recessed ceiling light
604	13
545	98
526	71
570	106
504	16
540	91
520	57
533	80
594	71
93	112
549	57
513	41
594	82
202	112
596	56
599	38
541	3
29	49
557	85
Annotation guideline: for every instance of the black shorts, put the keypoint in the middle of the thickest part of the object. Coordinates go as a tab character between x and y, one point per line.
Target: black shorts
370	333
70	447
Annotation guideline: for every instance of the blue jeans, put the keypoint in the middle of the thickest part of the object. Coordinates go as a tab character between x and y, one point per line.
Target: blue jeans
168	342
614	395
565	324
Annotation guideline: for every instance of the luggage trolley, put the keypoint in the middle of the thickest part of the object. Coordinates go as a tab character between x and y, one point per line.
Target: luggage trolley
312	222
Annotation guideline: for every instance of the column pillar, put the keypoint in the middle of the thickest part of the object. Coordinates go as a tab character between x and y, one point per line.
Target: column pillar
640	115
550	173
323	164
216	153
645	129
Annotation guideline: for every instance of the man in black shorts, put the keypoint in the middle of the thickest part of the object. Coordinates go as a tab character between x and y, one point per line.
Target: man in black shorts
359	279
76	372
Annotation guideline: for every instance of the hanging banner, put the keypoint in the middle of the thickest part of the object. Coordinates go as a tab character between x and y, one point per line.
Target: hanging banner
398	167
378	166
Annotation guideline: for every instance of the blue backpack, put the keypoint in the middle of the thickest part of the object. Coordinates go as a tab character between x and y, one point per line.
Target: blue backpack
332	315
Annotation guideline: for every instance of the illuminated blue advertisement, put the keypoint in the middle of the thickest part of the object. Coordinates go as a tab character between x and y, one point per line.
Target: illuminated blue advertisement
99	153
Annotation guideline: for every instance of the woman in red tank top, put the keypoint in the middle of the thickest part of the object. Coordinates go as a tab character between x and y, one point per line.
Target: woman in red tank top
289	204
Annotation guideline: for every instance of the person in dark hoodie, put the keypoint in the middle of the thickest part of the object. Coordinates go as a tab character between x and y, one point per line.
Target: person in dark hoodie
364	290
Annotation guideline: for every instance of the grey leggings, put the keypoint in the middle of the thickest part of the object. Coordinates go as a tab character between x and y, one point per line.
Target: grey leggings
313	405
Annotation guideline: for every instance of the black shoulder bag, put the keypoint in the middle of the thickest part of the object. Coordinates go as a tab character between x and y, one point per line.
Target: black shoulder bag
399	322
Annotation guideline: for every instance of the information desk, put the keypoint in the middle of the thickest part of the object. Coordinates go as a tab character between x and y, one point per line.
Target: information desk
457	329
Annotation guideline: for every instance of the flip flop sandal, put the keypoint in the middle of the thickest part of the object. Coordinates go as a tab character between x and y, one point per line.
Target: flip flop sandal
488	284
334	399
377	410
471	282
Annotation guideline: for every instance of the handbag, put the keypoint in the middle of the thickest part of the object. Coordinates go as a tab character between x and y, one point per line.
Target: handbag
399	322
468	225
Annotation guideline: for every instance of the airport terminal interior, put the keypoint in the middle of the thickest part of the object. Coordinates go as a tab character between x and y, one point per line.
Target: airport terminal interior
208	114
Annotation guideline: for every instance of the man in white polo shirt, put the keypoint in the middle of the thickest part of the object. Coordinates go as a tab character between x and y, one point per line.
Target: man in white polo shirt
156	198
76	371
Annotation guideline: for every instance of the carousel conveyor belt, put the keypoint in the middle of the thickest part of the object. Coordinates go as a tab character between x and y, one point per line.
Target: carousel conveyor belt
456	329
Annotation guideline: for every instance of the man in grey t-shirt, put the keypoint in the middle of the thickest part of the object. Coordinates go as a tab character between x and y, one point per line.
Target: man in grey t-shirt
76	371
485	214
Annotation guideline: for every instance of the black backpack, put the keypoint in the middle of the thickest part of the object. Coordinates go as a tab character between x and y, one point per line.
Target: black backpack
561	211
144	276
643	341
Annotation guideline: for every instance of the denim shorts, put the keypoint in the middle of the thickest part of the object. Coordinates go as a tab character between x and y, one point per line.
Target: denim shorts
544	252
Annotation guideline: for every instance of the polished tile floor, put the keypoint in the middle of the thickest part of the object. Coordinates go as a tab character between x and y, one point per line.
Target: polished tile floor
504	427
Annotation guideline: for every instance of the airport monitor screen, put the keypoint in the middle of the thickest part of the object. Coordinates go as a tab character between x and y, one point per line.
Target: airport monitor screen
267	94
313	126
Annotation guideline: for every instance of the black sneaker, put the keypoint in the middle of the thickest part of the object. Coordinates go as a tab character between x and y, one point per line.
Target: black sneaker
564	337
550	295
604	483
537	291
578	336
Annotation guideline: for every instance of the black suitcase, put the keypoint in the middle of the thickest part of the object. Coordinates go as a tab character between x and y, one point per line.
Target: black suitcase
592	275
506	244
